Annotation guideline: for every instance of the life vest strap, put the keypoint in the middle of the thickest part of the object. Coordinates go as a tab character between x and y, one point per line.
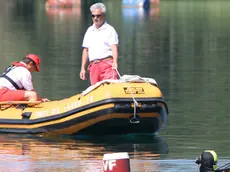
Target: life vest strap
11	81
8	78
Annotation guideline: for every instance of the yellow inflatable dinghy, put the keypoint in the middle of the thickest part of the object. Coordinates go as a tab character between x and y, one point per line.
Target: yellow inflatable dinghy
130	105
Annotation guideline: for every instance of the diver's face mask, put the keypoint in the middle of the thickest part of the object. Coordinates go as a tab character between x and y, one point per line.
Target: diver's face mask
198	160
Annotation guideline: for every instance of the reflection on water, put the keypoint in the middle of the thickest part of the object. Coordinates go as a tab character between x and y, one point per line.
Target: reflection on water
136	14
83	154
63	14
138	146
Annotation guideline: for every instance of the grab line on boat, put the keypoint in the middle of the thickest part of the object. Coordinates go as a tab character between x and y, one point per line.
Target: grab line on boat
118	73
134	119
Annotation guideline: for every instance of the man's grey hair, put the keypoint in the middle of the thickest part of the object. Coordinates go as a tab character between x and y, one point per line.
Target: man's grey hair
100	6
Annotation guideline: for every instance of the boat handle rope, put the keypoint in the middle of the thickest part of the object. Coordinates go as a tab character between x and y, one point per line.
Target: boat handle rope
118	73
134	119
4	108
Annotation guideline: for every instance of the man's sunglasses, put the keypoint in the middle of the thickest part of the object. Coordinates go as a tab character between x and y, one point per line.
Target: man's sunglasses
98	15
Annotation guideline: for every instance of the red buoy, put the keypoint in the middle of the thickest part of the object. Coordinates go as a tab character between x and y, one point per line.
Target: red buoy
116	162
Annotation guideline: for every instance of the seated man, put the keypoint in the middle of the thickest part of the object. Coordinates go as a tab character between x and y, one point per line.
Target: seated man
16	82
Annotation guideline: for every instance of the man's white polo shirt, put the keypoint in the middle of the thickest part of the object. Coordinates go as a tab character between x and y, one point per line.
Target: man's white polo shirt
21	76
99	41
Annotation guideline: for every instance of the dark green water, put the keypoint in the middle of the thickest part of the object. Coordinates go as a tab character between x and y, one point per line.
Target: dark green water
184	45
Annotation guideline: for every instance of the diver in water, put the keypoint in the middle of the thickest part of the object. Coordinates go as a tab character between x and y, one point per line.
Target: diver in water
207	162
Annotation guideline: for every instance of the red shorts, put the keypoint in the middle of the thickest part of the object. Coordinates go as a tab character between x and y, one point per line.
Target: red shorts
102	70
12	95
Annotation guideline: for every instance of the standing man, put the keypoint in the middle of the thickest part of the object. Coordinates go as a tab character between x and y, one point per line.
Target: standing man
100	48
16	82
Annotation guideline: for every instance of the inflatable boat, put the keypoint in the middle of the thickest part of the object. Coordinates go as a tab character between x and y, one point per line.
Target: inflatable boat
130	105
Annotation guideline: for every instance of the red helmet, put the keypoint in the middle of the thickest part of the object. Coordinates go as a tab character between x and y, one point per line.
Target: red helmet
35	59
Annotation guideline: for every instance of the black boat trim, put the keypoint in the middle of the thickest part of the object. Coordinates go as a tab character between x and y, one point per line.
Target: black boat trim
65	124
